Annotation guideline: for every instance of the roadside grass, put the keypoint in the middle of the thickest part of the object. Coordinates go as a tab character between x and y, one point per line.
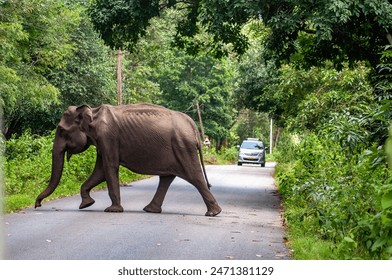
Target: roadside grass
307	244
311	248
302	236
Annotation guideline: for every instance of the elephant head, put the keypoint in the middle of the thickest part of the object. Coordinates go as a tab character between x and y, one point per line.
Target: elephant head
71	138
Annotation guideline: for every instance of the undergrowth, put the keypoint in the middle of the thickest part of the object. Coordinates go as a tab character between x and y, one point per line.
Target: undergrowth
338	204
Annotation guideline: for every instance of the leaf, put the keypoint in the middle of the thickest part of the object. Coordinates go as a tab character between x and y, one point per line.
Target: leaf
386	200
386	219
349	243
349	240
389	250
379	243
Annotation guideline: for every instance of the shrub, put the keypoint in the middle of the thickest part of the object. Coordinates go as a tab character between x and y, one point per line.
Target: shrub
342	198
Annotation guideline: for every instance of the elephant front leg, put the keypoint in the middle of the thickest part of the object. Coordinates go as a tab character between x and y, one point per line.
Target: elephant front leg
114	194
155	205
110	162
95	178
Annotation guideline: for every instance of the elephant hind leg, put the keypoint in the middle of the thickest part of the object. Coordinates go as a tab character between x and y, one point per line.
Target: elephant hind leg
155	206
200	183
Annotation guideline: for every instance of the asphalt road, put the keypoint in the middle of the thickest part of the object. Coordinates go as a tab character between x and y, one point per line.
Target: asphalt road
248	228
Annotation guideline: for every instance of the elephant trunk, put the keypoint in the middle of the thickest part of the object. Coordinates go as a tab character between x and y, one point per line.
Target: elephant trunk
58	153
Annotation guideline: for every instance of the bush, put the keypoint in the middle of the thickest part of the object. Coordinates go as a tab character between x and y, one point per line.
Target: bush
339	197
224	156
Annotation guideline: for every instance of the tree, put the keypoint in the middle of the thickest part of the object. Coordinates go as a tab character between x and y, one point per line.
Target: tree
88	77
301	99
32	45
122	22
184	79
156	71
338	30
50	58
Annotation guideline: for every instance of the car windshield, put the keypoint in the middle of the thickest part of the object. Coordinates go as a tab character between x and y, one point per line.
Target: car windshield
252	145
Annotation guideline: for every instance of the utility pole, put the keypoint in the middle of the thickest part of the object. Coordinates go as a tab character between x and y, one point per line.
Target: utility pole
271	136
119	77
200	120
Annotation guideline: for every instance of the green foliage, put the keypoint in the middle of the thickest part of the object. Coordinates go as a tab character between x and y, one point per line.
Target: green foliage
310	32
302	99
122	22
251	124
32	45
88	77
340	197
339	31
335	181
223	156
46	66
300	64
168	76
201	79
27	170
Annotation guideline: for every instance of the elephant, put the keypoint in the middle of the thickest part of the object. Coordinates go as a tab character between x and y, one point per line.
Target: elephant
145	138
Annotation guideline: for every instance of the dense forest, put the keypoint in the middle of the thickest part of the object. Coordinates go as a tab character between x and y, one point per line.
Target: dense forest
322	70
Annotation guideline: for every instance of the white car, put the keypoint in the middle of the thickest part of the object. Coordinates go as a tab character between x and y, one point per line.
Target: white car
252	151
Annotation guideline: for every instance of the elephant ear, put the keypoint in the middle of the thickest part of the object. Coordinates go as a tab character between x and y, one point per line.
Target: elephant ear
84	118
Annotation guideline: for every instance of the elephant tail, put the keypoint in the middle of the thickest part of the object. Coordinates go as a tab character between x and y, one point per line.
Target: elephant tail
199	148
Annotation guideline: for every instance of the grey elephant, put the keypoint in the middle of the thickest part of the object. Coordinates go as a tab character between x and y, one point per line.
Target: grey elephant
145	138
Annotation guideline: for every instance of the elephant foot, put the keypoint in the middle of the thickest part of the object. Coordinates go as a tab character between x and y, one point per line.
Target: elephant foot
115	208
86	203
214	212
152	209
37	204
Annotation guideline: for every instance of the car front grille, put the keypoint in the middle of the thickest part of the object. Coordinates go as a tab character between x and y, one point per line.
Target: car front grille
252	154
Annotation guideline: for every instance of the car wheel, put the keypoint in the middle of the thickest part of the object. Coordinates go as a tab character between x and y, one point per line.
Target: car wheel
263	164
239	163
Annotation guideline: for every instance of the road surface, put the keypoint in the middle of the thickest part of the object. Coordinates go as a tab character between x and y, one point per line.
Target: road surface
248	228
